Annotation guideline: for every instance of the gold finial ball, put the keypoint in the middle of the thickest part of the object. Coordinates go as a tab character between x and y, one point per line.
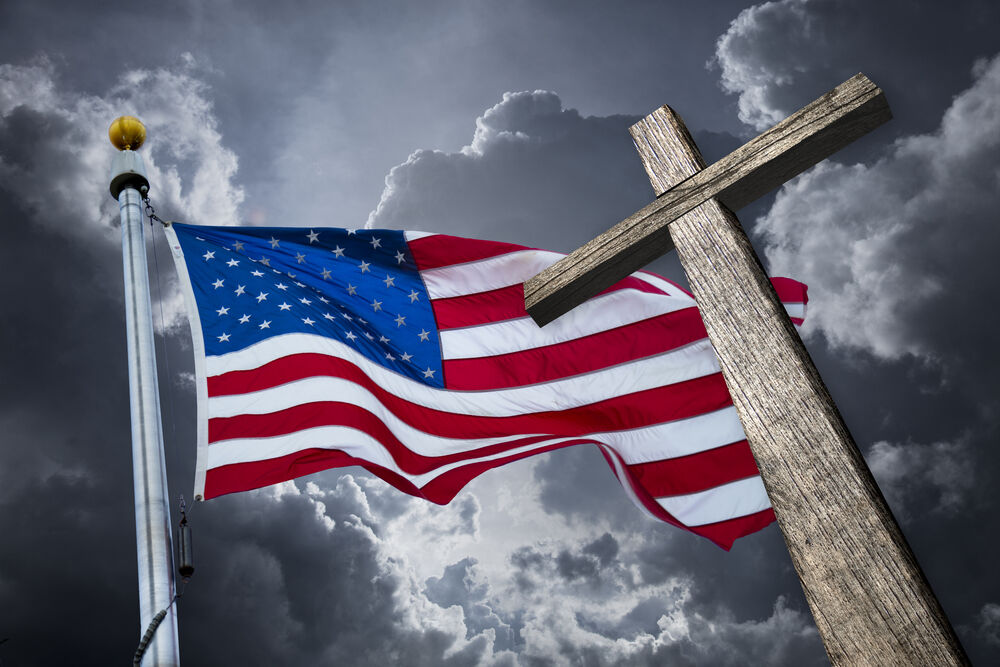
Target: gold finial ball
127	133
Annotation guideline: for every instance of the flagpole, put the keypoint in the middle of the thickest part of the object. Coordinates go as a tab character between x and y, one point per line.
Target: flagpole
152	511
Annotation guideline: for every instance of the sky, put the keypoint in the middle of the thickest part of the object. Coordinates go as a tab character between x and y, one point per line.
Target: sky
504	121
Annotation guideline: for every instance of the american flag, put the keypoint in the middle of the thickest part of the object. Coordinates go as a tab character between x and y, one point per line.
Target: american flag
410	354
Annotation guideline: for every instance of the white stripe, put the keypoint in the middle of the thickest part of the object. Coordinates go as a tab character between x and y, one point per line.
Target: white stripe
681	437
601	313
686	363
727	501
484	275
413	236
796	310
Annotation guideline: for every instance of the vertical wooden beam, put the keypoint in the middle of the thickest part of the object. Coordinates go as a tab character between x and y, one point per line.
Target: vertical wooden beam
868	595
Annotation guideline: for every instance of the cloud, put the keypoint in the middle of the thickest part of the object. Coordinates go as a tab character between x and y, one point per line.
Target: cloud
778	56
896	252
918	480
587	603
54	153
521	176
989	624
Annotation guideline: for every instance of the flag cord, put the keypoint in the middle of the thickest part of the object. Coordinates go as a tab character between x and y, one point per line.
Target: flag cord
153	625
159	292
185	578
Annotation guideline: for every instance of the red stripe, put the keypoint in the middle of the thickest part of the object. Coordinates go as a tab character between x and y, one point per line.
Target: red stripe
580	355
790	291
256	474
723	533
643	408
696	472
504	303
432	252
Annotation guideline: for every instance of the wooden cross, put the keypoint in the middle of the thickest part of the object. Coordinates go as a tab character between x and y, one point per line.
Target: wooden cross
868	595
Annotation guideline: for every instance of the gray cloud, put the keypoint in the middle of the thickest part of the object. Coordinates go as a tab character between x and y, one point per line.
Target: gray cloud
777	56
894	253
922	480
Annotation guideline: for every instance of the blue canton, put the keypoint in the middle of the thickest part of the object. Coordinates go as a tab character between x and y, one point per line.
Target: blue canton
360	287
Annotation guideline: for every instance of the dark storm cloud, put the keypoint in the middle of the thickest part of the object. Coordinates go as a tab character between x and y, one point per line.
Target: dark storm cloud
656	622
460	585
777	56
521	177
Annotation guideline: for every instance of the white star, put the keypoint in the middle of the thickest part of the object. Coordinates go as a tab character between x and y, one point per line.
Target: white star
326	274
244	319
423	335
266	324
298	284
375	243
284	306
329	316
262	297
351	232
281	286
428	373
364	266
338	251
274	242
400	320
349	336
324	299
369	336
223	338
376	305
383	339
390	357
233	262
305	301
238	246
265	261
362	321
313	236
256	274
414	296
351	289
223	311
239	290
389	281
300	258
218	283
400	257
209	254
347	317
406	356
306	320
198	238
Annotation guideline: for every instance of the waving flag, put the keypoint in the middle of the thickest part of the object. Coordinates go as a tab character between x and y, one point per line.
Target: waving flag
411	355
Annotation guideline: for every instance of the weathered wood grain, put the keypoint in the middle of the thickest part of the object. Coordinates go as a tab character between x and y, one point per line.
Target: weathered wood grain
847	112
869	597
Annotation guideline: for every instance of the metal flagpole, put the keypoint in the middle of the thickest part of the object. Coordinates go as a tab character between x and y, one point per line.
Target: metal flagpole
152	510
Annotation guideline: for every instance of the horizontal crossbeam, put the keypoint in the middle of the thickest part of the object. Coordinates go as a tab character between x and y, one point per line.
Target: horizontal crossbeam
808	136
